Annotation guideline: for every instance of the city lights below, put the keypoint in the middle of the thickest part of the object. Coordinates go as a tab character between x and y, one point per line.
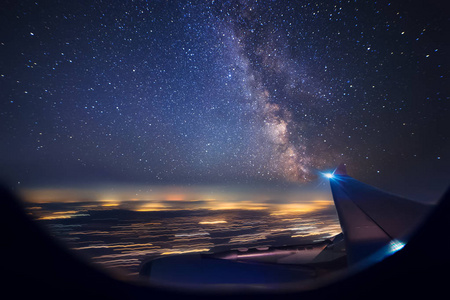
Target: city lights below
118	227
213	222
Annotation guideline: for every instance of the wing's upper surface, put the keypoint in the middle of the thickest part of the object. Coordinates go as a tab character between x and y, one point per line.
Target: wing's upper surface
370	218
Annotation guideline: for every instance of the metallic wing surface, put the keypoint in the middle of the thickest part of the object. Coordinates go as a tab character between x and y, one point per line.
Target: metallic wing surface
370	218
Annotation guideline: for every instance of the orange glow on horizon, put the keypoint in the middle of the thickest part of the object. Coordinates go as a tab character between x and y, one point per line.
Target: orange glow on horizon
150	207
303	207
110	204
148	199
175	197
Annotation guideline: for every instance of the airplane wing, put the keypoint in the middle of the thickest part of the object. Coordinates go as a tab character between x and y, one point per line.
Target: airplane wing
372	219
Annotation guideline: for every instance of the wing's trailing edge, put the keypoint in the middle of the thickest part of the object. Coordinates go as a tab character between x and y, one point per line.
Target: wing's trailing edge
370	218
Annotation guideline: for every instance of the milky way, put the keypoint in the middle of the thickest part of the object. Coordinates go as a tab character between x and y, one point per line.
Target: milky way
200	92
285	151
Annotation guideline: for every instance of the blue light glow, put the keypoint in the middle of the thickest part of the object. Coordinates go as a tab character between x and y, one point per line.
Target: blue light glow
391	248
395	245
328	175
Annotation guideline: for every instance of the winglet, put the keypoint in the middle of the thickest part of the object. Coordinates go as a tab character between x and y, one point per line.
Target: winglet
341	170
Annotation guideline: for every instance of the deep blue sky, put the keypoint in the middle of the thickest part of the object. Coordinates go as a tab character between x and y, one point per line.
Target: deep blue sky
233	92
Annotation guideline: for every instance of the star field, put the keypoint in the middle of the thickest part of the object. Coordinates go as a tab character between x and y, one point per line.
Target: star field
222	91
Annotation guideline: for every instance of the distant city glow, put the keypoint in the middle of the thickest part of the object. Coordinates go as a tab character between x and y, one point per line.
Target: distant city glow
173	220
213	222
185	251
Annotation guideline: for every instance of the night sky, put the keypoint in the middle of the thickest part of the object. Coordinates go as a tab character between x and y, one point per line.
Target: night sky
224	92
